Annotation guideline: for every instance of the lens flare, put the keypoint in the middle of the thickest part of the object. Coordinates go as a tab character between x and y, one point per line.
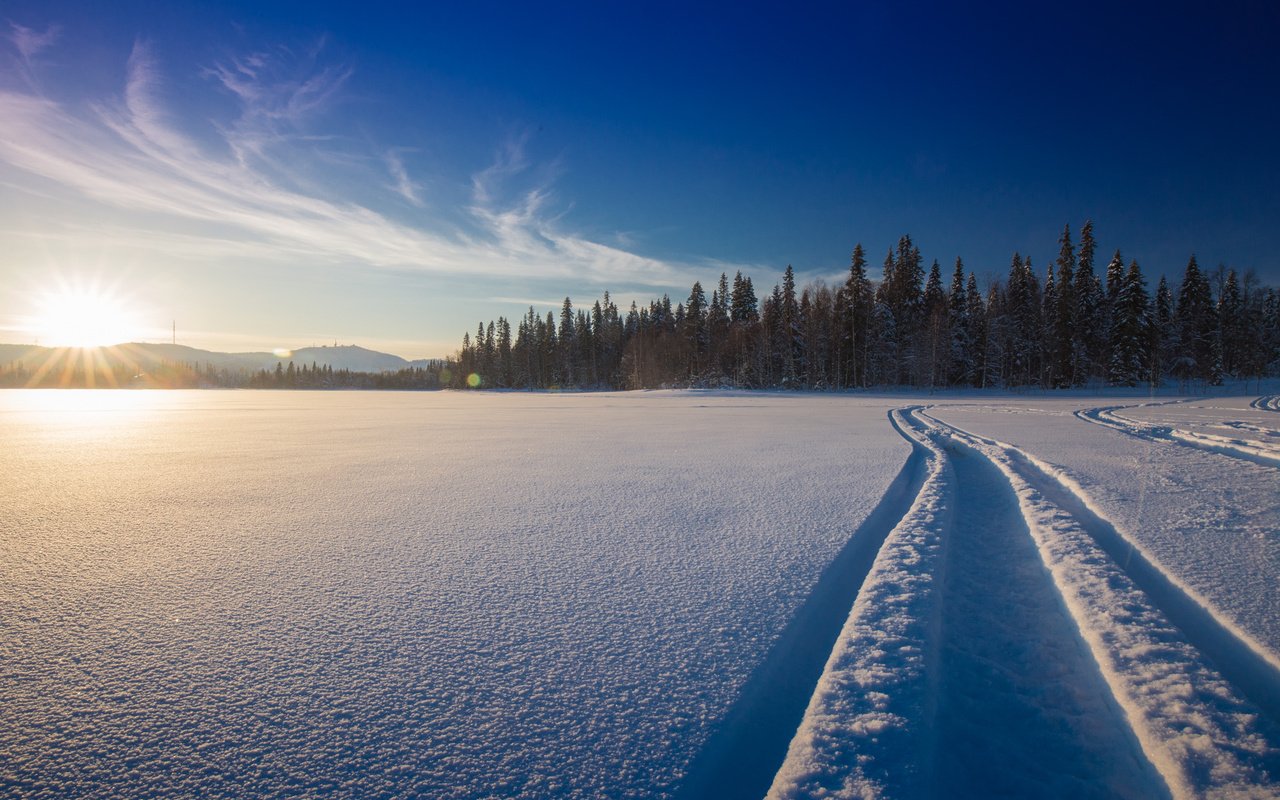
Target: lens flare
75	317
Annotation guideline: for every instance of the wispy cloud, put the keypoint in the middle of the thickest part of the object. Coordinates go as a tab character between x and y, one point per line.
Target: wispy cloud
403	185
278	92
29	43
131	153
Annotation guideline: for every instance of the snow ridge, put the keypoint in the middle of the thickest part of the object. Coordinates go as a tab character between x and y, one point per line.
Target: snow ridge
869	713
1257	452
1268	403
1194	725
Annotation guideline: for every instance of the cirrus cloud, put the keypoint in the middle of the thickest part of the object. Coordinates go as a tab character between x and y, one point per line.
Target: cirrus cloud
130	153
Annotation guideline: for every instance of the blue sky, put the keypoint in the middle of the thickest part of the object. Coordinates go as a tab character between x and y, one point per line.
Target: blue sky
278	175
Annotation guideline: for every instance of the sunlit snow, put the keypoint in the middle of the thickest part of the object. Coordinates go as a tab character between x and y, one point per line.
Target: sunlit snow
230	594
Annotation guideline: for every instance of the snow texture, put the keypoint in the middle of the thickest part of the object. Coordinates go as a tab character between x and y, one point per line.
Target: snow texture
256	594
228	594
1206	519
1252	442
867	720
1202	733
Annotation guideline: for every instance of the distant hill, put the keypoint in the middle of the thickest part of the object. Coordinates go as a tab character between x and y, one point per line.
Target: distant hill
352	357
142	356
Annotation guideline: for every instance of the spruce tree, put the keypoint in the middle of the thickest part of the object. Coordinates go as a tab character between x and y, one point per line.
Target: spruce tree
1115	282
743	308
861	307
1129	330
1049	340
1161	331
1233	325
791	343
976	333
1196	326
959	325
937	328
1088	335
695	329
1063	315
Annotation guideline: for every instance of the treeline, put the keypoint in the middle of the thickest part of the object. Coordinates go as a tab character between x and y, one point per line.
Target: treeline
1076	326
64	372
432	376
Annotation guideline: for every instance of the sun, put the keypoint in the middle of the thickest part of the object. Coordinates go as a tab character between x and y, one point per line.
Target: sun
83	318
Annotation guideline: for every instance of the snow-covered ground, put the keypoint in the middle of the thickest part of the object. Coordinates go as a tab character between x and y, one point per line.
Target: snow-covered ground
1097	618
249	594
635	594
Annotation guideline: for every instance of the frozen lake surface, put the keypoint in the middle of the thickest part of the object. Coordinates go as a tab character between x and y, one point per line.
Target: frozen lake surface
384	595
647	594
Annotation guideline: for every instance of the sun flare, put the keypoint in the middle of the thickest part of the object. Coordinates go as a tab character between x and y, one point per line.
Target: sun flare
80	318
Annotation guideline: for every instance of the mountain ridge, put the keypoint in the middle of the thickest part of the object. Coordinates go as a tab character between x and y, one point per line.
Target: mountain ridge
144	355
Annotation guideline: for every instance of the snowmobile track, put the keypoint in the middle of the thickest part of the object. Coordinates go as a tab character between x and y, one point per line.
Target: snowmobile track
1267	403
1107	417
742	756
961	672
1242	662
1150	633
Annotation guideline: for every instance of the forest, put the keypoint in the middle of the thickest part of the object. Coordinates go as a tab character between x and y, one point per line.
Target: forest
71	372
1078	325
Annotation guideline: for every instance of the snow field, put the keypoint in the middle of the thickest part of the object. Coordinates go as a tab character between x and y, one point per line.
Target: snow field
867	720
510	595
961	671
1204	736
230	594
1252	442
1205	519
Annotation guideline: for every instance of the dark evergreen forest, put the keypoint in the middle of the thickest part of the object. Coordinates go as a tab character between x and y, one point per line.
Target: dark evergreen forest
1073	324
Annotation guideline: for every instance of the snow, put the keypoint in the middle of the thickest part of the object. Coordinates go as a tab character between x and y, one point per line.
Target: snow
1207	518
645	594
867	719
1200	730
380	594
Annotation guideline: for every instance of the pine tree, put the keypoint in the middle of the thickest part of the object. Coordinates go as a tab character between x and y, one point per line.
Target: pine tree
567	349
937	328
743	307
792	340
1196	327
695	328
1062	354
976	333
1161	331
1048	340
859	308
959	328
549	355
506	376
1129	330
718	325
1233	326
1022	307
1115	282
1088	334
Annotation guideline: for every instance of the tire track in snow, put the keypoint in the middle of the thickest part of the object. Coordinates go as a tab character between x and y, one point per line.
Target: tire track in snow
1107	417
1023	709
1249	426
866	723
741	757
1191	682
1268	403
959	671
